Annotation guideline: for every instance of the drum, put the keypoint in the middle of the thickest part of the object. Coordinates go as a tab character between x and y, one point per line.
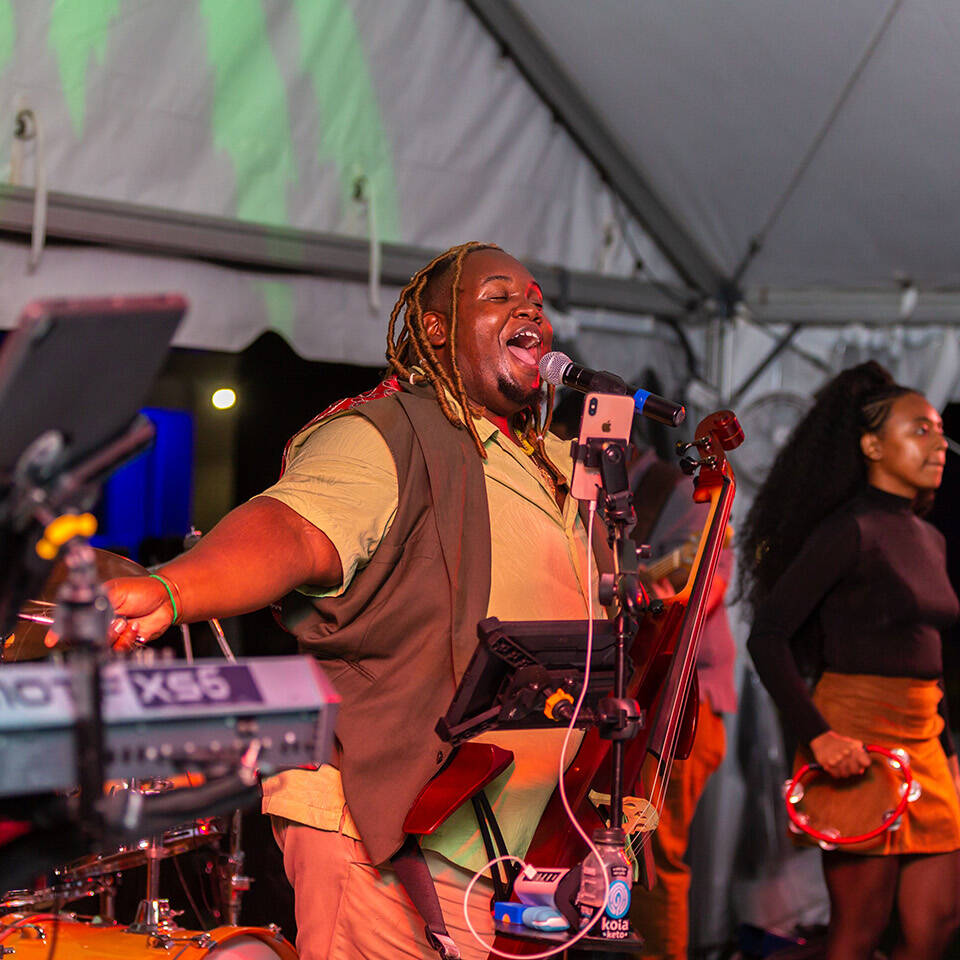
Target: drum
49	898
173	842
32	935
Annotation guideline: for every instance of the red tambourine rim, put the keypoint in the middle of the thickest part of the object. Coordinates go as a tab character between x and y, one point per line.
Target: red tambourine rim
860	838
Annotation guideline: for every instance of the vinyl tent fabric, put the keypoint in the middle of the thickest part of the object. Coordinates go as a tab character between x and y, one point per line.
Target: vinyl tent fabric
719	102
399	121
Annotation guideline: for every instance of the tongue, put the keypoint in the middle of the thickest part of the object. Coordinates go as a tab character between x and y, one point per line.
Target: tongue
527	357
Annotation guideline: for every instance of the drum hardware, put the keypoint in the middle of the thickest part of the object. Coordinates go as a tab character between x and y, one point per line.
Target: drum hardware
108	898
203	940
154	916
27	924
217	630
171	843
29	935
232	880
191	539
52	897
222	640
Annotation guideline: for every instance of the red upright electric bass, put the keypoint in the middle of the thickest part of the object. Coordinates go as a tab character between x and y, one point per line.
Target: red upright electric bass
663	681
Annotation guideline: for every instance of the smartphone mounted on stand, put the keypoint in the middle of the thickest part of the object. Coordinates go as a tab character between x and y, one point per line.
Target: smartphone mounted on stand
606	416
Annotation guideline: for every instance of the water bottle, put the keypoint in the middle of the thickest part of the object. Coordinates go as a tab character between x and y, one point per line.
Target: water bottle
615	924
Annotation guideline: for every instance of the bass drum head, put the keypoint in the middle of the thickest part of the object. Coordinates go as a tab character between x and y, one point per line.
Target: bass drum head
241	943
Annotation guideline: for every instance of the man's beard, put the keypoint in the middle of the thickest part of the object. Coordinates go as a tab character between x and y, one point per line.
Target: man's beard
516	394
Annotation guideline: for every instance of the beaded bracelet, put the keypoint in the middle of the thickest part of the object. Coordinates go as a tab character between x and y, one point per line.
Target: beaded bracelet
166	586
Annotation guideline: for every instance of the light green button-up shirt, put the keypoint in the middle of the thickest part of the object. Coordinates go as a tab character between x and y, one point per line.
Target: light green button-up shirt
340	476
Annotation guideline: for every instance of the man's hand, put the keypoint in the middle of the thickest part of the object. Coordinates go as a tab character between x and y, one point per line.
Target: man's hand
145	609
840	756
253	556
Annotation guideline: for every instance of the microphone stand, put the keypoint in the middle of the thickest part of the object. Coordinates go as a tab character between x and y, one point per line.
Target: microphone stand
43	515
618	717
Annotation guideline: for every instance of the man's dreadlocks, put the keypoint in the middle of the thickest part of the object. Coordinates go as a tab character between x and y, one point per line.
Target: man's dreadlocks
411	348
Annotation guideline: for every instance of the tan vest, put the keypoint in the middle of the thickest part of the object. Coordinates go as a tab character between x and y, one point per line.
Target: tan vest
405	628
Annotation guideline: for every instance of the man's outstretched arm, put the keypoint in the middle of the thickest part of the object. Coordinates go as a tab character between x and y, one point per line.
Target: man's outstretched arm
253	556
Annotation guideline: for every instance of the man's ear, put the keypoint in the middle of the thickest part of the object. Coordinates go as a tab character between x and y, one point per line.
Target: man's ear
435	324
870	446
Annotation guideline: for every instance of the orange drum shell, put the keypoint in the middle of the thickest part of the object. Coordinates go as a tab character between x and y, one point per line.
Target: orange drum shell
76	940
223	937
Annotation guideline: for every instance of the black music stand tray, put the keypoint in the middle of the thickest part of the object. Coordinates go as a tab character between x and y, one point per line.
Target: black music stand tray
73	376
515	668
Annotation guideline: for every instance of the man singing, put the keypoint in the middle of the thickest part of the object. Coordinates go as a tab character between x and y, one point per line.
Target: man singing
402	518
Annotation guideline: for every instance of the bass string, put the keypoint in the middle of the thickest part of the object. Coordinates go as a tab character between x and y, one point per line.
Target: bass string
665	764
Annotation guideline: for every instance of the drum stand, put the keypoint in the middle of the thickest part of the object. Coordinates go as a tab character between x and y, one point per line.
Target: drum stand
154	915
108	899
233	882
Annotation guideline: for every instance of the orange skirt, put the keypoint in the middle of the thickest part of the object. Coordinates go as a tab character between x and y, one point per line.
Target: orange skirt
894	712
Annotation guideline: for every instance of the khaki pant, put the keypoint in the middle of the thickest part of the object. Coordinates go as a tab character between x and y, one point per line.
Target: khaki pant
348	909
660	915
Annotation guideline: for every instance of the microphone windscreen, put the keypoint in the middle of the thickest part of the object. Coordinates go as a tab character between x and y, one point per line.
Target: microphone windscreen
552	366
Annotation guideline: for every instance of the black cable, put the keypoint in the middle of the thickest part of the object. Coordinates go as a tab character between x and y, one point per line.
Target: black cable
207	905
55	932
188	895
693	366
641	265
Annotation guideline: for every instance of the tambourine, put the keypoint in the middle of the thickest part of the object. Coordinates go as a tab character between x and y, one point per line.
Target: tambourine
838	811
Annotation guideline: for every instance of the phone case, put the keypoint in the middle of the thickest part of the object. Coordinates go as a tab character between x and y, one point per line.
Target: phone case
608	417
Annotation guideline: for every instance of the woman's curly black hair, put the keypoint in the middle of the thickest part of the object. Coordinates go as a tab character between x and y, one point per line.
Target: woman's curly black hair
819	468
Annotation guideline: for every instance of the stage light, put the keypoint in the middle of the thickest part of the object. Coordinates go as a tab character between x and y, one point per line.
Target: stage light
224	398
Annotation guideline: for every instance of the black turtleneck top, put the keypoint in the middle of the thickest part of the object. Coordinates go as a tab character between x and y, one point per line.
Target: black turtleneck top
875	577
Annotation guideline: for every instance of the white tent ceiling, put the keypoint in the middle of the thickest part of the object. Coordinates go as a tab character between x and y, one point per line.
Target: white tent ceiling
719	103
282	135
795	162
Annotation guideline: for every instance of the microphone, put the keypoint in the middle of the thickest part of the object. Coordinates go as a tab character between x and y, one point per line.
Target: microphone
557	368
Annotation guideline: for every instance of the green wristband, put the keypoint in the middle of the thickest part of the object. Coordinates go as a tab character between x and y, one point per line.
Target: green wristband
166	586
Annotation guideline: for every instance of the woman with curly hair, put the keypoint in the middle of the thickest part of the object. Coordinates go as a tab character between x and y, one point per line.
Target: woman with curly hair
845	580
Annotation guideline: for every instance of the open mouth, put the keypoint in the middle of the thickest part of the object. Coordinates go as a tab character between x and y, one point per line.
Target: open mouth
525	345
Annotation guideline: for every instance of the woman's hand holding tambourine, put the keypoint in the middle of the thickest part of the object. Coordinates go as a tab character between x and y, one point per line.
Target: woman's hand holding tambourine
840	756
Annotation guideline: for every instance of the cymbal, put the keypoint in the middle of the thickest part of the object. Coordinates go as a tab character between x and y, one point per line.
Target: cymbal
173	842
26	642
